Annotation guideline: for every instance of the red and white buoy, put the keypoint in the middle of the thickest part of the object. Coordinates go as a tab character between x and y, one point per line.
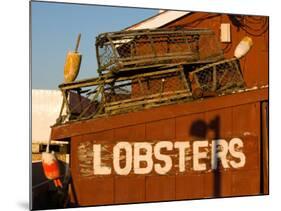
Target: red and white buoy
51	167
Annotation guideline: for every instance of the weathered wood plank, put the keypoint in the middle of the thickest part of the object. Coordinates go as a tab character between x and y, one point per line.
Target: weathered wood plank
107	79
146	102
95	158
164	112
265	144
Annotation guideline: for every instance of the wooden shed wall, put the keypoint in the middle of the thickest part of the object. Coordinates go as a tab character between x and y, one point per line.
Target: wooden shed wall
242	119
255	64
238	115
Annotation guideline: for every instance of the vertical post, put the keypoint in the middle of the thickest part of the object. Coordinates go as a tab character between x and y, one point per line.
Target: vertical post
238	70
152	46
183	78
214	78
141	86
59	119
116	55
185	37
162	86
98	59
65	95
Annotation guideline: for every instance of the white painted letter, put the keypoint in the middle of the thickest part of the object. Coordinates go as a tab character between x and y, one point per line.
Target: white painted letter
199	155
98	168
166	158
128	157
138	158
223	145
236	154
182	146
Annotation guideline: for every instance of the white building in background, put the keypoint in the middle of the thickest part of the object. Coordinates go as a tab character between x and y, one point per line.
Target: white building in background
46	105
161	19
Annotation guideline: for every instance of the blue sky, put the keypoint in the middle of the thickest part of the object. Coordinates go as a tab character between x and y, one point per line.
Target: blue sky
55	27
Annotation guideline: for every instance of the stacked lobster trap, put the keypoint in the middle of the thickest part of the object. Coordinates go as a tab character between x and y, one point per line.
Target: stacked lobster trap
133	50
147	68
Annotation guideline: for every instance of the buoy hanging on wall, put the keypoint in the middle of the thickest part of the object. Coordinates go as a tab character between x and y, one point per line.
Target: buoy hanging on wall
51	168
243	47
72	63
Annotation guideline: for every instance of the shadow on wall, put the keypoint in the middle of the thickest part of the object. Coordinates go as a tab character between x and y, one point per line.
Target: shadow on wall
199	129
44	194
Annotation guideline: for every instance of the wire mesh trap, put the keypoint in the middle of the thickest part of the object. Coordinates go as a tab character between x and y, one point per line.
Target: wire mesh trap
131	50
113	95
105	96
147	90
147	68
216	77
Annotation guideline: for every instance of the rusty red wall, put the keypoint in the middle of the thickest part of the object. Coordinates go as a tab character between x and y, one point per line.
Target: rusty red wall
240	120
237	115
255	64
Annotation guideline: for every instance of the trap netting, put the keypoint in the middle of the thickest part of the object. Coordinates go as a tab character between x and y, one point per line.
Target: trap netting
110	95
128	50
217	77
146	90
81	100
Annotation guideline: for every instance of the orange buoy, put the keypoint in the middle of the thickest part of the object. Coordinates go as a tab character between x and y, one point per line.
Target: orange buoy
51	168
243	47
72	63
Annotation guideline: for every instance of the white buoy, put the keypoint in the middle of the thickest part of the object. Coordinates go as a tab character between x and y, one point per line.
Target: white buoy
48	158
243	47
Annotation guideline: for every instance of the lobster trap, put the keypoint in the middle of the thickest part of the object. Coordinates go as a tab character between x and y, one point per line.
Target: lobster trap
131	50
146	90
216	77
148	68
110	95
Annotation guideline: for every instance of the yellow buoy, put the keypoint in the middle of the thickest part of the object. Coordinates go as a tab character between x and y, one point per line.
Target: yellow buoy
72	63
243	47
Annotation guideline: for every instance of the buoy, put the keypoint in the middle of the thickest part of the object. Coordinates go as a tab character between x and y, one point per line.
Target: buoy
243	47
51	168
72	63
